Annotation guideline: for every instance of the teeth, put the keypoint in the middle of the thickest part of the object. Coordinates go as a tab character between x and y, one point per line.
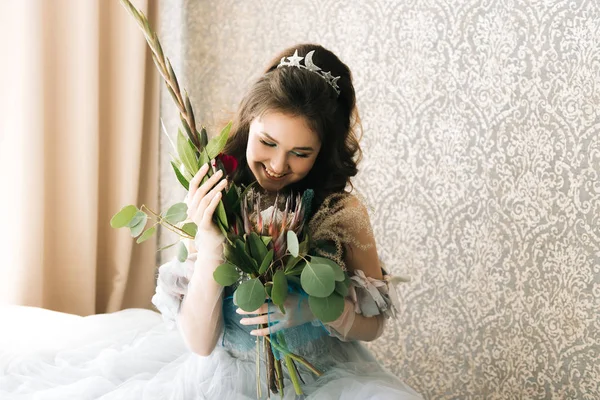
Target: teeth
273	174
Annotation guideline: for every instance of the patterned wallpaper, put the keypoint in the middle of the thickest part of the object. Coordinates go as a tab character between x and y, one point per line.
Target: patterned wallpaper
482	167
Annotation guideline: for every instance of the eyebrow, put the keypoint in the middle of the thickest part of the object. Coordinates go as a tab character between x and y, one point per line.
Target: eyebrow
295	148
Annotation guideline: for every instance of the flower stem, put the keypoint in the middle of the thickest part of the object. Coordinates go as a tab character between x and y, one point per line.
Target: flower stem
167	224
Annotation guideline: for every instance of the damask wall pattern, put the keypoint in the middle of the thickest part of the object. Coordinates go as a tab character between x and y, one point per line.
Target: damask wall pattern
482	170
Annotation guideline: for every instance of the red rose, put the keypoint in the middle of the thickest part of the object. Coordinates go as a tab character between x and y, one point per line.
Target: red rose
229	162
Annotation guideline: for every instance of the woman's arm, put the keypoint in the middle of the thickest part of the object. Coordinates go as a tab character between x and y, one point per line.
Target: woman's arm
200	316
351	325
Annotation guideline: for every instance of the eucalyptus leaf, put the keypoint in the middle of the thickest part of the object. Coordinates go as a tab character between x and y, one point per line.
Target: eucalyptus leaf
341	288
318	279
337	270
327	309
182	252
190	228
292	243
137	218
176	213
167	246
266	262
123	217
140	218
250	295
184	182
226	274
280	288
146	235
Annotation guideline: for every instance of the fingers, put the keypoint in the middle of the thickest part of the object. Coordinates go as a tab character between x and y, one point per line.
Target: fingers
212	206
262	310
262	319
268	331
195	182
201	191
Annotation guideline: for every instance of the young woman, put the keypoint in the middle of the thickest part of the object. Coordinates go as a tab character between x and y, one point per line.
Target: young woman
294	130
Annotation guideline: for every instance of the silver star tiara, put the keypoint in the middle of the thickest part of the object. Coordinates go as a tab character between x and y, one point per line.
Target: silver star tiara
294	61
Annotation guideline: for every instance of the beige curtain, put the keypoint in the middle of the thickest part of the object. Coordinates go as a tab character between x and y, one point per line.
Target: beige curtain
78	140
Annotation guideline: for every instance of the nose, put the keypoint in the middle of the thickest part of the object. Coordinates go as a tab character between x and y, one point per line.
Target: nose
278	163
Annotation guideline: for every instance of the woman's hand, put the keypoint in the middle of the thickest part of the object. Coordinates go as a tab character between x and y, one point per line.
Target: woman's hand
202	201
297	312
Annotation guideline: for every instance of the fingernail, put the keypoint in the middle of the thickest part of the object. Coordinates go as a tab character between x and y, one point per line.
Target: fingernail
253	333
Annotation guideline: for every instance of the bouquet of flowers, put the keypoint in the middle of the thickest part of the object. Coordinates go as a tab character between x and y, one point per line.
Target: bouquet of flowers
268	252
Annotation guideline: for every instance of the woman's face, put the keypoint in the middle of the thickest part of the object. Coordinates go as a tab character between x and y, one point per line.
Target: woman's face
281	150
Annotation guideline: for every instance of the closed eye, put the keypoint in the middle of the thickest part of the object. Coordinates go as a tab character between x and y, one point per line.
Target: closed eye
270	144
267	143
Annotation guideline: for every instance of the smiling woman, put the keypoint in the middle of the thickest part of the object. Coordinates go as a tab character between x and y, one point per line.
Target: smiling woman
292	135
282	149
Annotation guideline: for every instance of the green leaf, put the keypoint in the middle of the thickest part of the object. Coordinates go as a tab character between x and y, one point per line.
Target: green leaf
146	235
244	257
167	246
190	228
176	213
341	288
250	295
182	252
292	243
187	153
123	217
258	250
203	158
337	270
180	177
291	263
137	218
138	223
305	246
269	289
222	215
232	257
203	137
327	309
226	274
216	145
266	262
318	279
266	240
280	288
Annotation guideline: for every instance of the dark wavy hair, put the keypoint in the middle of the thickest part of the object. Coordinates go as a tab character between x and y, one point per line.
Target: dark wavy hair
299	92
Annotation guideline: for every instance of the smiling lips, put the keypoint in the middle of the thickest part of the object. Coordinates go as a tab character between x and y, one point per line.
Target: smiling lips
273	175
